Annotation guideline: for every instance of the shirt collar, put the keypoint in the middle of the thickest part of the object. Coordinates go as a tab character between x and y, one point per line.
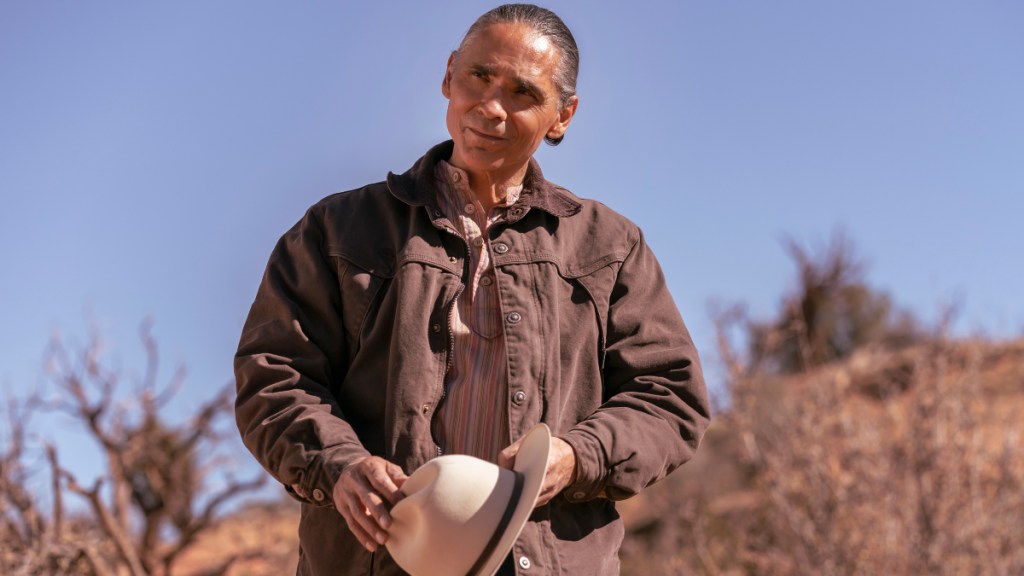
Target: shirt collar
417	186
453	183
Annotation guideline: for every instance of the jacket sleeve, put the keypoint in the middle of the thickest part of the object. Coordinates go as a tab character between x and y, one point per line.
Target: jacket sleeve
657	408
290	353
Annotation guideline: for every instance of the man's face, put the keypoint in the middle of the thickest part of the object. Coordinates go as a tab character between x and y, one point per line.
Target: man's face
502	99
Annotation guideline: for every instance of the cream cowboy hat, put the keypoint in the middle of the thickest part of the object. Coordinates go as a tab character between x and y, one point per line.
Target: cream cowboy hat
461	515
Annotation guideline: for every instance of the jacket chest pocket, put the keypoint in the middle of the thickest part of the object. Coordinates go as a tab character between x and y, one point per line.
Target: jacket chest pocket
359	291
598	286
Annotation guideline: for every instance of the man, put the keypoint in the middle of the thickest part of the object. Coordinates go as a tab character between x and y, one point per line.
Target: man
451	308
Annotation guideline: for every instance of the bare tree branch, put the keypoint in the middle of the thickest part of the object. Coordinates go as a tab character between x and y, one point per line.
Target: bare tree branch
110	526
206	517
57	493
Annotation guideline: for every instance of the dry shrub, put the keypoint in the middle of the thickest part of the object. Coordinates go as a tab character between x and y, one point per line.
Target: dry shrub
819	473
152	502
830	312
853	443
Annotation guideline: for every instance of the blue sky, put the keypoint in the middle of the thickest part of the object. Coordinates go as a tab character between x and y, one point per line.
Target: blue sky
152	153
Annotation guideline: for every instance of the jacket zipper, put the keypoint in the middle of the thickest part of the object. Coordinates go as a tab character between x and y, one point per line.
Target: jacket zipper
448	360
451	335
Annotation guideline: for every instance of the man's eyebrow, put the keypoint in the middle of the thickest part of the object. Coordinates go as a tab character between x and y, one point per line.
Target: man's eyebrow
519	82
530	86
488	70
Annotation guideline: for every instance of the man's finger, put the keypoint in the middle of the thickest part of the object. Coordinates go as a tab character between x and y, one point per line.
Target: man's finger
365	513
355	527
373	505
507	457
365	508
382	482
397	475
361	533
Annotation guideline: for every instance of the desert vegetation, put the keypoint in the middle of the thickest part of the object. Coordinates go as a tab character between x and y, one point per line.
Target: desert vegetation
155	498
852	440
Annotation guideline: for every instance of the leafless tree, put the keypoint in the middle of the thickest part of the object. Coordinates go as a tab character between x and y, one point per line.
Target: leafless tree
154	498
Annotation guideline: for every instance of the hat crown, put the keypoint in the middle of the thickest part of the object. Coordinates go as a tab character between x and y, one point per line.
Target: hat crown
461	515
453	504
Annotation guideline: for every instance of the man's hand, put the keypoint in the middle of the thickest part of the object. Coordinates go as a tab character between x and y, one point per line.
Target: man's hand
561	470
364	494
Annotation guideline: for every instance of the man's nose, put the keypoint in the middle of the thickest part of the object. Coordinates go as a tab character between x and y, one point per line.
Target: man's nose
492	104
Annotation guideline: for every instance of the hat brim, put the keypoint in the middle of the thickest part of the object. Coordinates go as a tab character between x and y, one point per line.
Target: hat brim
532	463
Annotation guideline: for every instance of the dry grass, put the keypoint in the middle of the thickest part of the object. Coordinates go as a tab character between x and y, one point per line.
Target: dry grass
271	528
888	463
897	463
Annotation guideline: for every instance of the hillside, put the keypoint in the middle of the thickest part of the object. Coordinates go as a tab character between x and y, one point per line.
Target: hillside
890	462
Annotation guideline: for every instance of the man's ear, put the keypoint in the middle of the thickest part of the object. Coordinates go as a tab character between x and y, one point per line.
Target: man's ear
446	83
565	115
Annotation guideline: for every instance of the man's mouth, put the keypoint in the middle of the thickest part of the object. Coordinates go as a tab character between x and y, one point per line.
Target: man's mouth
485	135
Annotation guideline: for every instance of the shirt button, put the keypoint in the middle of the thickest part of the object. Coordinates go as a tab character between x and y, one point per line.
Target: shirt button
318	495
437	213
426	408
486	281
518	398
452	259
501	248
514	317
457	177
469	208
524	563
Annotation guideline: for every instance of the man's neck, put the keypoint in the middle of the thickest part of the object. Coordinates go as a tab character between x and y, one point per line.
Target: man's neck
491	188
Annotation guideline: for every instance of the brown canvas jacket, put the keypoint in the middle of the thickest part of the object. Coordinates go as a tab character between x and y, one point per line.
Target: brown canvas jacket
346	346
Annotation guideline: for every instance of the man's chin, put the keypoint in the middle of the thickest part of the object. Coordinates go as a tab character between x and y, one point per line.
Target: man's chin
480	158
486	147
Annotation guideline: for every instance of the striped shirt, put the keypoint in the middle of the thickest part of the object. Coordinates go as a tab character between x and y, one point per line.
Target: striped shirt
473	417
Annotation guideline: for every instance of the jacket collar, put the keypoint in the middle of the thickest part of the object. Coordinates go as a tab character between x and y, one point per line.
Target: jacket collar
416	185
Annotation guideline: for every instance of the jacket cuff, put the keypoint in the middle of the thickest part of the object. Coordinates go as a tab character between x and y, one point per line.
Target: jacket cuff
317	486
591	469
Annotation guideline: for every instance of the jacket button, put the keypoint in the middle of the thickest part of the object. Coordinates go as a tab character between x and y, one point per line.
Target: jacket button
514	317
426	408
318	495
452	259
500	248
518	398
436	328
578	495
524	563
